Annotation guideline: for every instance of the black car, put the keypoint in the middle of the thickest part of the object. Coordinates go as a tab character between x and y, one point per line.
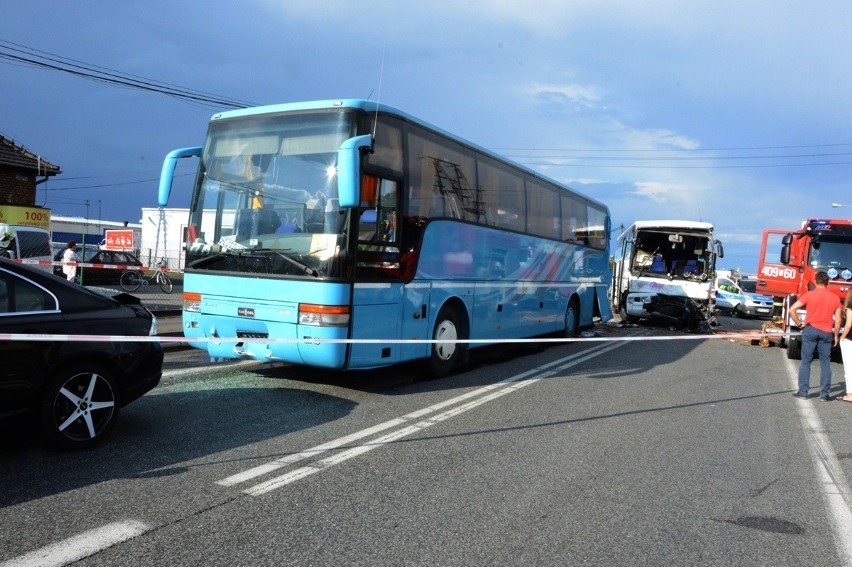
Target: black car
117	261
98	275
73	388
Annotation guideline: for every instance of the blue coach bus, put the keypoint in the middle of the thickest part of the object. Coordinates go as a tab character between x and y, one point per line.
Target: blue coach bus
346	235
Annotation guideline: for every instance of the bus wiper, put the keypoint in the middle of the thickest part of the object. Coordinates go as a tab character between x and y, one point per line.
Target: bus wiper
299	264
230	185
201	261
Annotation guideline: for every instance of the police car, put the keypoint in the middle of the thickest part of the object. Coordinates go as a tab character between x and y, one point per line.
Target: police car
740	298
754	304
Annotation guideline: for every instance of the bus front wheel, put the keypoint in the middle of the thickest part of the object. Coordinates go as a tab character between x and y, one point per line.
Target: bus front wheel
446	353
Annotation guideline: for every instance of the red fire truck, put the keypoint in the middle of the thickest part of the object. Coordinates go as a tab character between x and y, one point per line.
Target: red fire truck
789	261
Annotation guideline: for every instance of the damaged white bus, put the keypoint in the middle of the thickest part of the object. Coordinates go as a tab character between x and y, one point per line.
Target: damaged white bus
664	270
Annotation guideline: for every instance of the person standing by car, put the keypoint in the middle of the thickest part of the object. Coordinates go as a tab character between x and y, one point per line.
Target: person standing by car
70	255
846	343
820	333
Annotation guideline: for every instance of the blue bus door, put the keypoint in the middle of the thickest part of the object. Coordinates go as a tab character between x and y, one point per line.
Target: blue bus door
376	314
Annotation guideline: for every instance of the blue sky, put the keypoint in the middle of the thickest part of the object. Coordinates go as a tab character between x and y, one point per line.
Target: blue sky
731	112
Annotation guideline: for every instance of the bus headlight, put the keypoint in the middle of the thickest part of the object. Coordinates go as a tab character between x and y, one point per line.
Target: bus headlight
323	315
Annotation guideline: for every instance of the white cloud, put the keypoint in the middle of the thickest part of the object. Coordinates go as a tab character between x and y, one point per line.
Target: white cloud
655	191
573	95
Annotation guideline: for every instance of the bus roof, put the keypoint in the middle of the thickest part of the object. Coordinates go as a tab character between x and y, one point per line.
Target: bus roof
680	224
373	106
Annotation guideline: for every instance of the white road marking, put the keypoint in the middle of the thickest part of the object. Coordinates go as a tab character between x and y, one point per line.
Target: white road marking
319	449
481	395
830	477
338	458
93	541
79	546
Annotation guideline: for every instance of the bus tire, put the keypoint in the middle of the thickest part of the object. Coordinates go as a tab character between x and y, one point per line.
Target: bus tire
572	318
445	357
622	306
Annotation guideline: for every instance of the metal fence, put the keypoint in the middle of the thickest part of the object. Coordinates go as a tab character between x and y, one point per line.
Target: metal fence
158	295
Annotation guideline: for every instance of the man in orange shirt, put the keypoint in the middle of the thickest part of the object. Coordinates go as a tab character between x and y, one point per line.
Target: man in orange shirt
820	333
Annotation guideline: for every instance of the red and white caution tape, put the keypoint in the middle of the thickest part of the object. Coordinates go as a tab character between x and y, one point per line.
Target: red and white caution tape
312	340
91	265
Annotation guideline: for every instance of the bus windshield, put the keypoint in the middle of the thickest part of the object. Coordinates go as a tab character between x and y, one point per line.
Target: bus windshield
266	200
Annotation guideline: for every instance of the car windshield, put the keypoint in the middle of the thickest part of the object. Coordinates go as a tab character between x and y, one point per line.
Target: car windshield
267	195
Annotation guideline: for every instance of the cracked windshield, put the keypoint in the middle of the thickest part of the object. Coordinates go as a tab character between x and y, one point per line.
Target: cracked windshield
268	200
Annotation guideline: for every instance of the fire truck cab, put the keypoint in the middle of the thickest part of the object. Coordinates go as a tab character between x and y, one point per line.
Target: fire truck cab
789	261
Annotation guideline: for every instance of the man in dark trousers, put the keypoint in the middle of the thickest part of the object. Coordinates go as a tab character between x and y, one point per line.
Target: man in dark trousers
822	326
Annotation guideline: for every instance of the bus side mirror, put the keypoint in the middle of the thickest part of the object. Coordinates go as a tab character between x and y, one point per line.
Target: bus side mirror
168	172
720	250
349	170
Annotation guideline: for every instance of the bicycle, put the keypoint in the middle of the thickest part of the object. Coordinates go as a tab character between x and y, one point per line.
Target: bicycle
132	279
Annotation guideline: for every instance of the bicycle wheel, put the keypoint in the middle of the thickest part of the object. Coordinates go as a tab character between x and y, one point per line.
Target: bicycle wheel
130	280
165	282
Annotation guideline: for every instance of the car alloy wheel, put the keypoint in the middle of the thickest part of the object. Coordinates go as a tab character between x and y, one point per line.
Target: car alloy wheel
79	407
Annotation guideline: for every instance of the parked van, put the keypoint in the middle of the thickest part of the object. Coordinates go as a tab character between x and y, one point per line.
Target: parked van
26	243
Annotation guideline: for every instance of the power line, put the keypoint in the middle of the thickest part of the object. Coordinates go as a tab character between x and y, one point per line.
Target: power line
660	160
101	186
714	166
22	54
693	158
679	150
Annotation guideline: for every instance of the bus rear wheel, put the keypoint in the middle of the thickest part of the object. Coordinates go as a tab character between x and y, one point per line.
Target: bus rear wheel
572	319
447	354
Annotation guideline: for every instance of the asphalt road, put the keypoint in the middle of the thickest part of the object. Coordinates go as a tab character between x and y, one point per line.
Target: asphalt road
641	446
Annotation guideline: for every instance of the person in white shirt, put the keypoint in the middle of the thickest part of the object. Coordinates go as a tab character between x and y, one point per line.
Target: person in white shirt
70	255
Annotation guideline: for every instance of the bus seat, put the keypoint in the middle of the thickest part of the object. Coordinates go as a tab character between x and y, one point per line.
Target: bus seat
658	265
691	267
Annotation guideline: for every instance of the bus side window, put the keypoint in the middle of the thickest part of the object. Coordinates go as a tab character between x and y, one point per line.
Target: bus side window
379	205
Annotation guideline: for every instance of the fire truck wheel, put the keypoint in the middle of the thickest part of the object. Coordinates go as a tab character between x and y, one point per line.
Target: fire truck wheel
794	348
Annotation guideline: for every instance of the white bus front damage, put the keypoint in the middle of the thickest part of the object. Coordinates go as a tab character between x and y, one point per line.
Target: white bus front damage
664	270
